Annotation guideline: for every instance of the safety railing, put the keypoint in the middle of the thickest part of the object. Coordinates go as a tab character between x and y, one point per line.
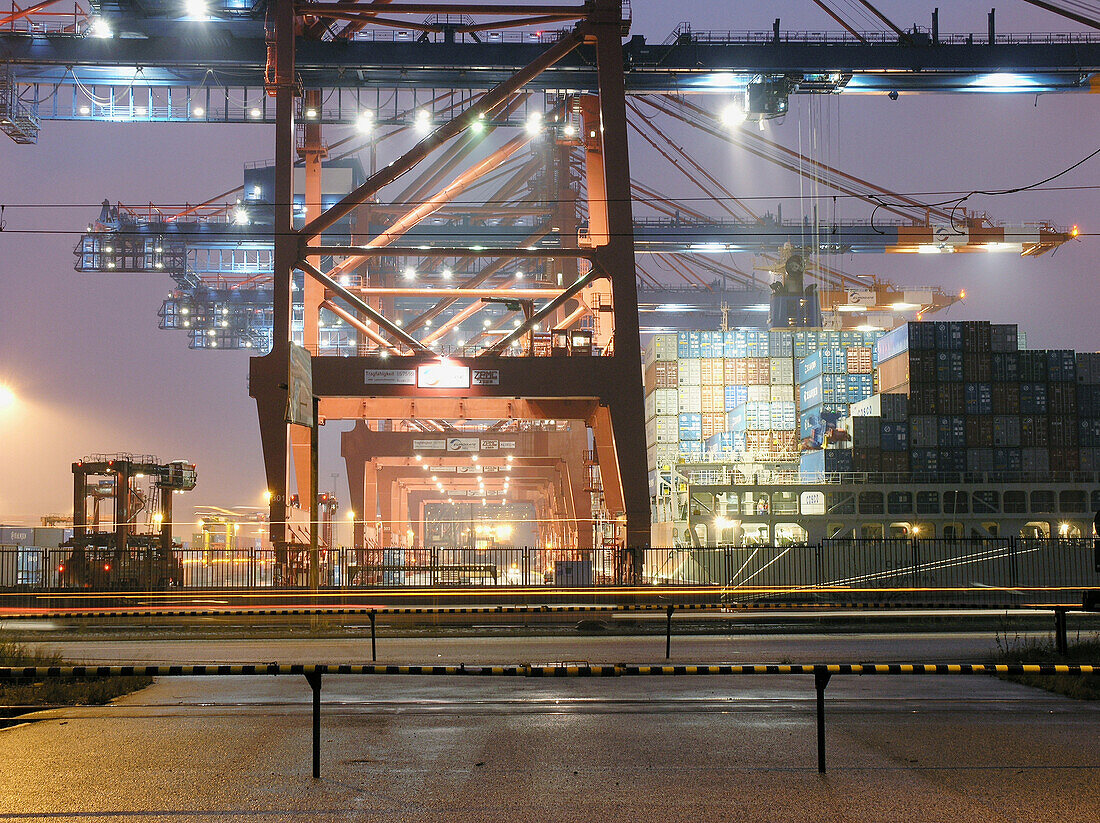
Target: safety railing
965	571
822	673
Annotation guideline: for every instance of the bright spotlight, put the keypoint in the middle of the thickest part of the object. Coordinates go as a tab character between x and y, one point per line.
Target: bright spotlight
423	121
196	8
198	111
410	273
240	216
733	115
534	122
7	397
366	122
255	113
101	28
569	130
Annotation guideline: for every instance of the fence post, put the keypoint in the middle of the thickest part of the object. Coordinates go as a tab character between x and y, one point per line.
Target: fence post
373	647
821	680
314	680
668	633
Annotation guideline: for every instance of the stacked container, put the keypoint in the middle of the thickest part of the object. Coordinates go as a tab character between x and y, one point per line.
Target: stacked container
976	403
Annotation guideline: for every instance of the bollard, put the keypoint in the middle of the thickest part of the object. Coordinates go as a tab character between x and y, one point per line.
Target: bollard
373	646
668	634
821	680
314	679
1061	641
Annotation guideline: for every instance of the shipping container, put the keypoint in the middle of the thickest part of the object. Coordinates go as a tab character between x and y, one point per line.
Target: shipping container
712	371
662	347
894	437
689	400
17	535
1062	399
758	394
719	444
1006	430
782	393
1005	367
1088	368
1006	398
1034	431
782	371
979	431
810	367
713	424
713	399
978	398
1090	459
893	373
977	337
923	431
1003	338
758	371
1033	398
979	460
661	374
1066	459
866	460
1061	366
783	416
859	387
949	336
923	398
736	371
951	431
662	430
662	455
691	427
781	344
1032	366
1088	432
1035	460
895	462
689	372
924	460
949	366
735	395
859	360
977	367
950	398
826	461
1063	432
1007	460
952	460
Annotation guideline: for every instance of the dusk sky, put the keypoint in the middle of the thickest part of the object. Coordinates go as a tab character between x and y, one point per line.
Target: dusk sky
92	373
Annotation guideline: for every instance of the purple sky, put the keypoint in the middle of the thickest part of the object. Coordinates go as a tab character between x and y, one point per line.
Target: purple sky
94	374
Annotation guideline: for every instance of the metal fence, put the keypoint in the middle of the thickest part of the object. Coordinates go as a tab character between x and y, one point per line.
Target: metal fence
978	571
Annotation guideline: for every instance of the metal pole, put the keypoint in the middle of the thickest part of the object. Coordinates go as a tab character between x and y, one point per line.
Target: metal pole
668	633
1061	641
821	680
314	679
314	509
373	638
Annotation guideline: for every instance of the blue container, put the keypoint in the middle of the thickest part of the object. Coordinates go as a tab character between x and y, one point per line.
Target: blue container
834	361
951	432
894	343
1033	398
811	393
924	460
894	437
1007	460
828	461
737	418
781	344
691	426
735	396
952	460
809	367
683	345
949	367
721	443
860	387
979	398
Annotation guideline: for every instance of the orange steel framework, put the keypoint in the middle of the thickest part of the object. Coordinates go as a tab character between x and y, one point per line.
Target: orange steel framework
603	392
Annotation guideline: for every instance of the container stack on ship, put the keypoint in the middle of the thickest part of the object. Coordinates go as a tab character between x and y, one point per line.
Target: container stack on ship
934	429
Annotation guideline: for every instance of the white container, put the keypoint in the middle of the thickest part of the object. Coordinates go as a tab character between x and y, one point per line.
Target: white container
660	347
689	371
689	399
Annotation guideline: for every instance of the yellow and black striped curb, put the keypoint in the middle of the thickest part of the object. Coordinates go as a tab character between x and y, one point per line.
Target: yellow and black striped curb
543	609
523	670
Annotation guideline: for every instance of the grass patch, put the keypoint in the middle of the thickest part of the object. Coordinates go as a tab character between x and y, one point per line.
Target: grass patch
1017	649
91	691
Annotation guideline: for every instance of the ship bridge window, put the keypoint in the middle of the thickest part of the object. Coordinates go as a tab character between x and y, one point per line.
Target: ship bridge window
784	503
870	503
956	502
1095	501
1042	500
987	501
1072	500
753	503
789	534
928	502
1037	529
702	503
899	502
727	504
1015	501
840	502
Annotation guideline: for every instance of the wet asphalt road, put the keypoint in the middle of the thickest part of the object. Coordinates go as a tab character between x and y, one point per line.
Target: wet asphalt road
464	749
